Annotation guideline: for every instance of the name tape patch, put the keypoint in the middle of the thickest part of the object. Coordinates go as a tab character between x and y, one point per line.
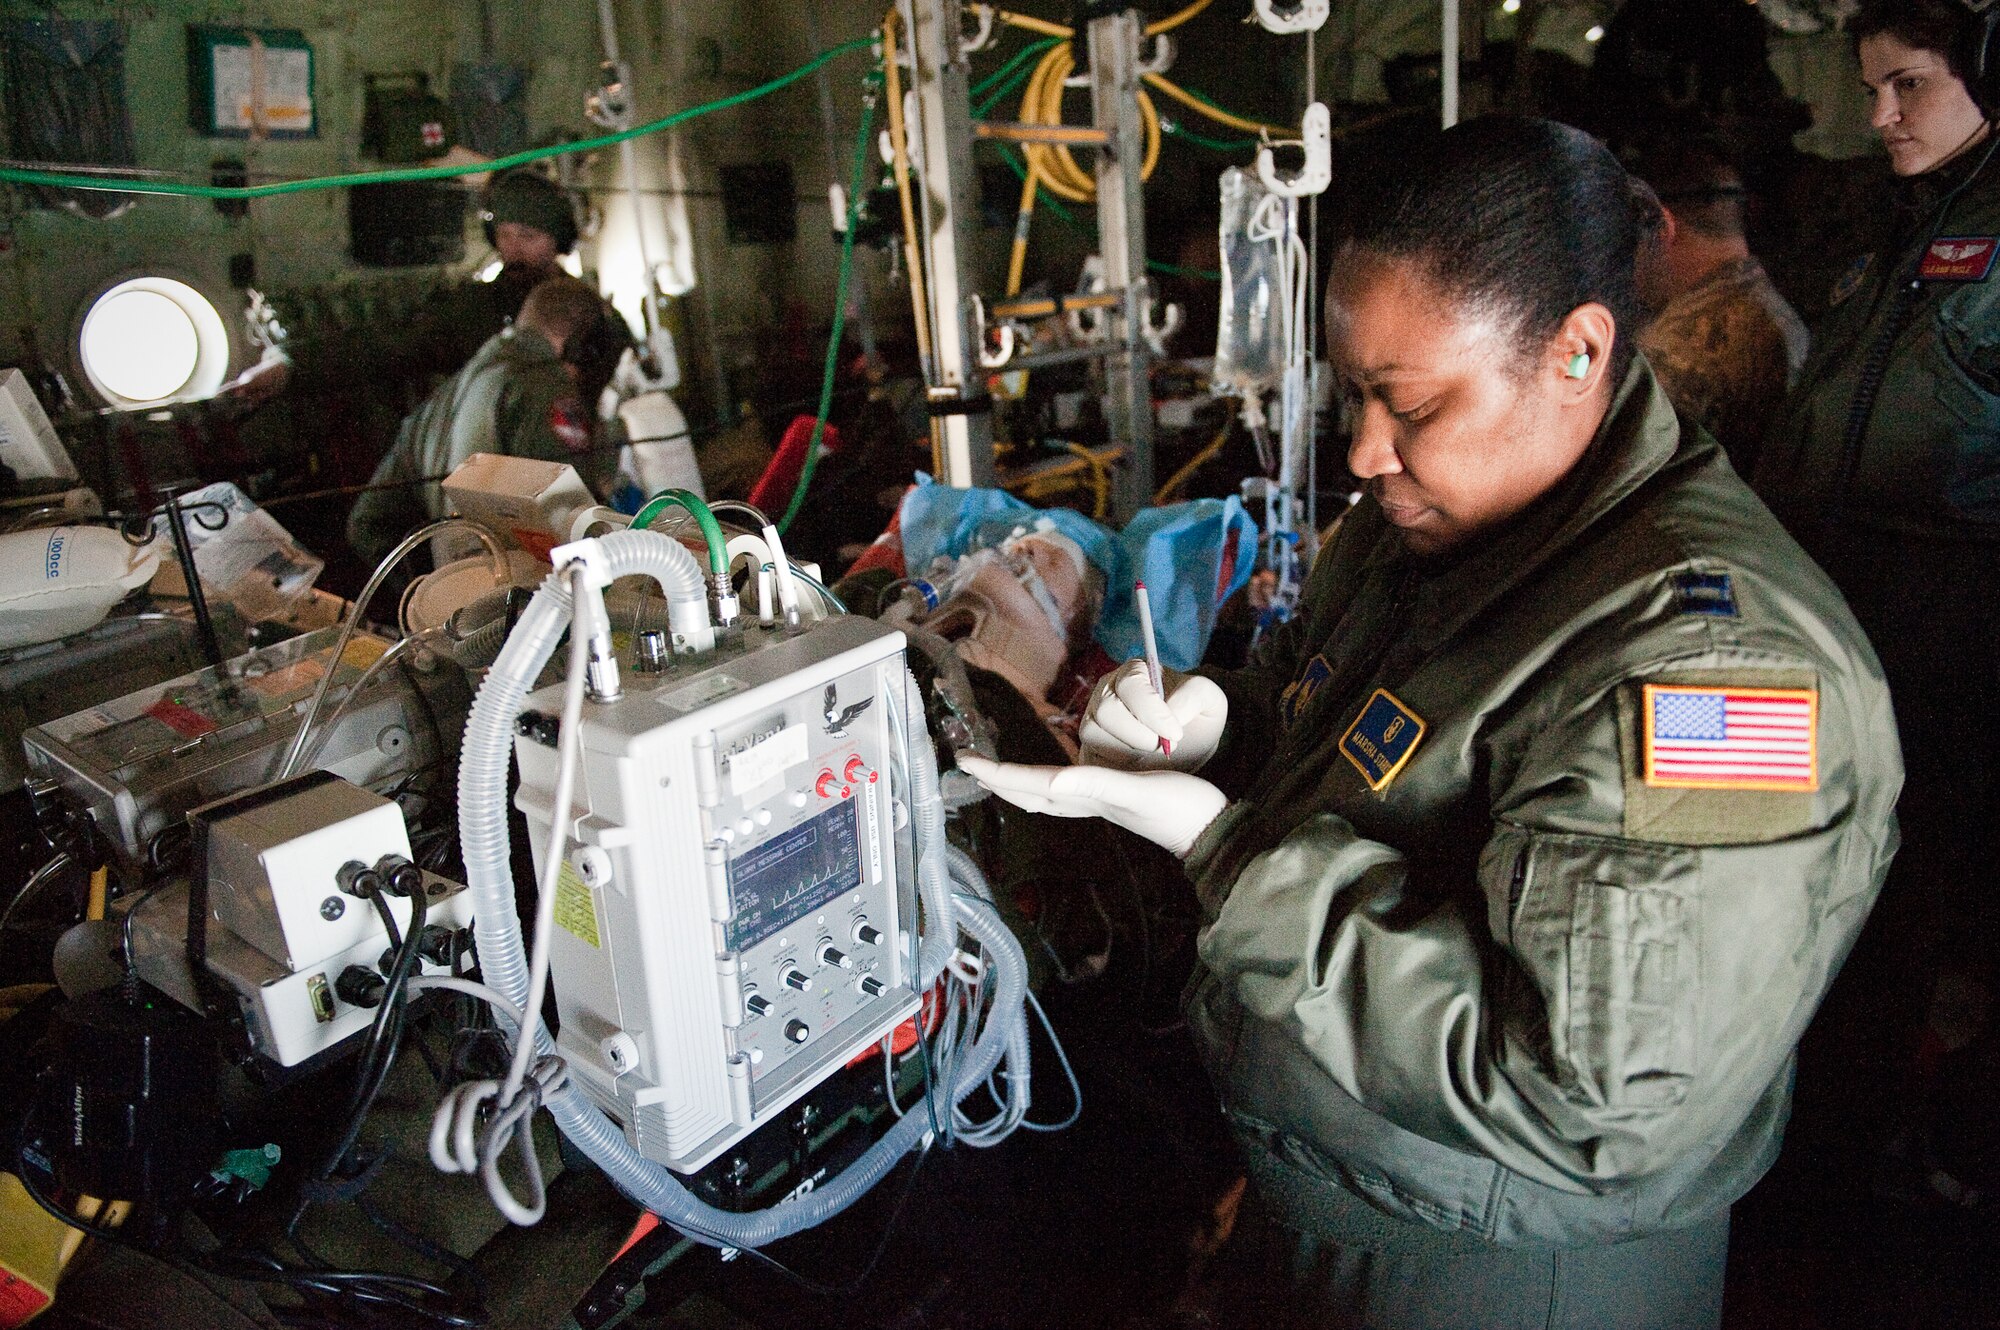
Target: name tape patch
1731	738
1959	258
1382	738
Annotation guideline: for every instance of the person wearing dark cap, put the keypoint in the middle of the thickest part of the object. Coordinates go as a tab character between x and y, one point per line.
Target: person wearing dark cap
1723	343
530	223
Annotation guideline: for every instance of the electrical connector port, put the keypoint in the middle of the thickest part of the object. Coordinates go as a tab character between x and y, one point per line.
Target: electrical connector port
538	726
359	986
358	879
399	876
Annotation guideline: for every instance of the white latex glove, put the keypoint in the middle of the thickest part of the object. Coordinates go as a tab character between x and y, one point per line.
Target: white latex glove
1169	808
1125	720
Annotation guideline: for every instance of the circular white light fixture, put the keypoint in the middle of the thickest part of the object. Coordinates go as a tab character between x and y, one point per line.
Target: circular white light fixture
1596	33
150	340
1510	6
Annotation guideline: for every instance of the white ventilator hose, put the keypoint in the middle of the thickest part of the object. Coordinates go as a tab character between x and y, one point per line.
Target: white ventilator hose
482	796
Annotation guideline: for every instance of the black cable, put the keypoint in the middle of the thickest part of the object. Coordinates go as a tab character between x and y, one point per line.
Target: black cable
347	1284
381	903
852	1286
24	1169
377	1056
422	1246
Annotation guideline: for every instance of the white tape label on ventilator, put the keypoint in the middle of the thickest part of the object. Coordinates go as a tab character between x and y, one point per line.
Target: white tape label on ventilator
767	760
699	694
869	801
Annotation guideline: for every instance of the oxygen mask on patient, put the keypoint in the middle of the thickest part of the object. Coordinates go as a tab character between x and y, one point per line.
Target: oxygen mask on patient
1016	605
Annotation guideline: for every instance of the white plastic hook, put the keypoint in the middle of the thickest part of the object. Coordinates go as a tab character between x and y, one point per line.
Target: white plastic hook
1291	15
1157	333
1163	56
1317	173
1088	325
982	36
996	358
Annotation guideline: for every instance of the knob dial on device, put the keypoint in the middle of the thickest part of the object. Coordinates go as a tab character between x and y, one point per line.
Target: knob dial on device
799	979
871	985
797	1031
855	772
756	1004
867	934
825	785
832	955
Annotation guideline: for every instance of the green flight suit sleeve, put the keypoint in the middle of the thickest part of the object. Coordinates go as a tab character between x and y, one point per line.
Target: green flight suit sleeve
1591	1007
391	507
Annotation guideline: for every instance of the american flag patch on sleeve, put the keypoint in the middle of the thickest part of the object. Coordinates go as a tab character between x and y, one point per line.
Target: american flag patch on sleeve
1731	738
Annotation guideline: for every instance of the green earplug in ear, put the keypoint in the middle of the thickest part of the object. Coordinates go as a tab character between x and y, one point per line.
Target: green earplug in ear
1579	365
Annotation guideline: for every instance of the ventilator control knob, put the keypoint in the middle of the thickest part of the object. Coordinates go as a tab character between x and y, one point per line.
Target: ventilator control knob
826	784
834	956
871	985
756	1004
856	771
867	934
799	979
797	1031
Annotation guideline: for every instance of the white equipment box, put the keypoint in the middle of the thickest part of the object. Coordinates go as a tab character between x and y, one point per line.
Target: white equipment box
734	919
281	929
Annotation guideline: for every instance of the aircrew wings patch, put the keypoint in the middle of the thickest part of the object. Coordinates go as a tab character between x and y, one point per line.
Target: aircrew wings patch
1959	259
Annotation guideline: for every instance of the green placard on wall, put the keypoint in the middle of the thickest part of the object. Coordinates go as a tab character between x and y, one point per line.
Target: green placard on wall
244	79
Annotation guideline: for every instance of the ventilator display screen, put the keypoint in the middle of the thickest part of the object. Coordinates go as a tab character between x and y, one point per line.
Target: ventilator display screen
792	875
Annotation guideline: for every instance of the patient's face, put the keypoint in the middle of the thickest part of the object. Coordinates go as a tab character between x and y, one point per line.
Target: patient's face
1058	574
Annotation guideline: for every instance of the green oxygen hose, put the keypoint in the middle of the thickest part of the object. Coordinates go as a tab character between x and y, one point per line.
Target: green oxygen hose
711	530
127	185
861	143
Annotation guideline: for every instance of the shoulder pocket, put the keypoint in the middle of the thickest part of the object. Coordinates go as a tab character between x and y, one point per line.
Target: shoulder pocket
1607	929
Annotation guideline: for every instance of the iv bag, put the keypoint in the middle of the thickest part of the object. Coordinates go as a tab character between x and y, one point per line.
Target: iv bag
1249	341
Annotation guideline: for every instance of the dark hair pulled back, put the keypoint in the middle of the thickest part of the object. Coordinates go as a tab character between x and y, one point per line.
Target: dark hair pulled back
1947	27
1524	218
